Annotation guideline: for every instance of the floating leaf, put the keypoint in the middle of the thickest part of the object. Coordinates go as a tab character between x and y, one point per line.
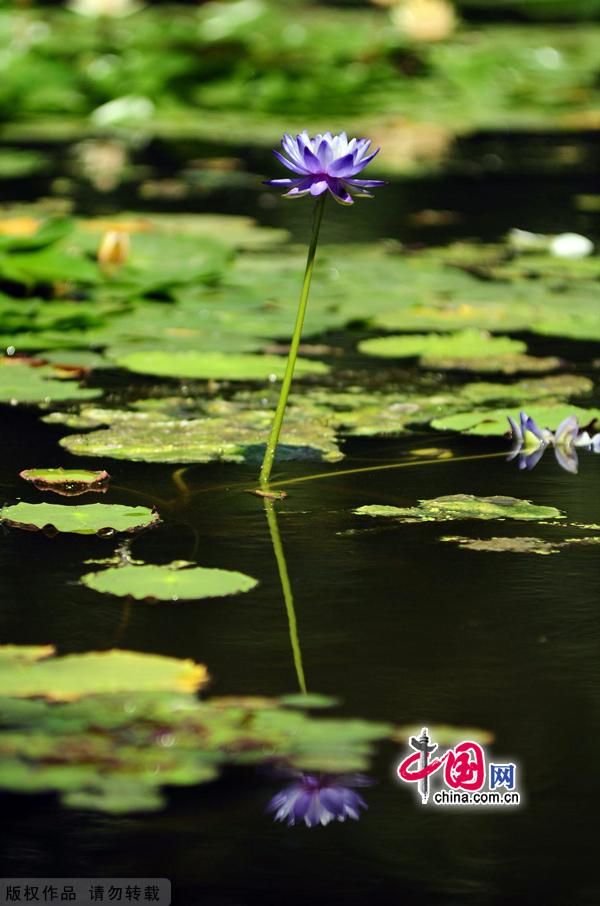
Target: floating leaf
11	655
83	519
518	545
576	324
19	163
68	482
495	421
557	386
108	730
508	364
308	700
76	675
21	383
171	582
465	344
233	231
214	365
27	235
464	506
78	360
505	545
467	350
233	436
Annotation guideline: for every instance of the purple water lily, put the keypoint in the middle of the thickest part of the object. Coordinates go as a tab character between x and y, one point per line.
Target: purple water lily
326	162
530	442
526	434
317	799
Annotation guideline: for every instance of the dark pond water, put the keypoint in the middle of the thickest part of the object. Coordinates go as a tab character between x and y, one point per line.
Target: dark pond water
396	624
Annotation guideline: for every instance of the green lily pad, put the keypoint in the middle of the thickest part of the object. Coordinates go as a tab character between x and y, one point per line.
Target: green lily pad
20	163
481	311
494	422
172	582
159	262
23	654
37	234
465	344
68	482
76	675
83	519
215	365
308	700
466	350
464	506
107	730
555	387
50	265
233	231
21	383
575	324
75	359
518	545
231	436
507	364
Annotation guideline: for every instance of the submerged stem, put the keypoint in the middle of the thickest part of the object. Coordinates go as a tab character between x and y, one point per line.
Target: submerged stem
288	595
267	465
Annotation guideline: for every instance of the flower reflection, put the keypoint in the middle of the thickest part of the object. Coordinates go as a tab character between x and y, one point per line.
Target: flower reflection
317	799
530	442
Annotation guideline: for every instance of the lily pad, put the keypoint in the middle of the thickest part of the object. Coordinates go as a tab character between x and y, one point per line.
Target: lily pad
494	422
555	387
21	383
76	675
518	545
232	436
575	324
68	482
171	582
465	344
466	350
507	364
233	231
107	730
505	545
215	365
83	519
464	506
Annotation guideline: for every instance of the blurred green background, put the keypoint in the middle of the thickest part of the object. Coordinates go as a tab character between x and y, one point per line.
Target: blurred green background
414	73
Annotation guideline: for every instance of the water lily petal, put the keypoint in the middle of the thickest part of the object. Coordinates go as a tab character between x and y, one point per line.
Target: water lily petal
282	182
319	186
290	165
356	191
367	183
342	166
362	162
517	434
290	146
567	431
567	458
339	192
301	188
311	161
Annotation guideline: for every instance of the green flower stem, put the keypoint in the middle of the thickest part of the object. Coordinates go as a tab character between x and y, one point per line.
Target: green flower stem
288	595
267	465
